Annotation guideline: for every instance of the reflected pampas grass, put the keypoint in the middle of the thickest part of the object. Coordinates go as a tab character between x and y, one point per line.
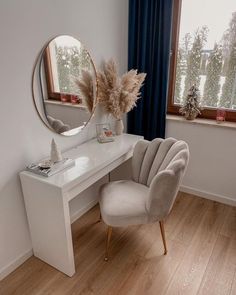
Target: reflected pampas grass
86	85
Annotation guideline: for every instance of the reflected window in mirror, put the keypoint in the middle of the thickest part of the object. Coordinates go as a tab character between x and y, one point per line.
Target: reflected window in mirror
63	60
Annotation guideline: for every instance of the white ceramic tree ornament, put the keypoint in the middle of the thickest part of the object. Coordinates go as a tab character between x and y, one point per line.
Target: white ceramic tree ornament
55	152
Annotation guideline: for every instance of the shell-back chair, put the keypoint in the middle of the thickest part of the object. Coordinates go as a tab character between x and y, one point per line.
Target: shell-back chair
158	167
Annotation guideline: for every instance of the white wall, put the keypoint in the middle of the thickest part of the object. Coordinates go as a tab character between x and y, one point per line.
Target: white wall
212	166
25	26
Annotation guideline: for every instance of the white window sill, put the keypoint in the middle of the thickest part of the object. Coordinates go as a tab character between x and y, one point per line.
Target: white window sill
201	121
65	104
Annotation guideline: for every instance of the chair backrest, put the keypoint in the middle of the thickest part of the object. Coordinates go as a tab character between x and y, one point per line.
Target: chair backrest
150	157
164	162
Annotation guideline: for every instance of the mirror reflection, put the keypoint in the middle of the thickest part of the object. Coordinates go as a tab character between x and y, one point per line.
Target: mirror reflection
60	100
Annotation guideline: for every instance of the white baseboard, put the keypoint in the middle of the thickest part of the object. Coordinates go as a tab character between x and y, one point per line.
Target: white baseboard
82	211
6	270
207	195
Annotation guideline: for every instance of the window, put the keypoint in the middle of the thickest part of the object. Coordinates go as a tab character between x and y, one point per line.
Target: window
204	54
63	59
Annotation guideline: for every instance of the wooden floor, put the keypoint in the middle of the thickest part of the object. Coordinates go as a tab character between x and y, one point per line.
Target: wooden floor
201	237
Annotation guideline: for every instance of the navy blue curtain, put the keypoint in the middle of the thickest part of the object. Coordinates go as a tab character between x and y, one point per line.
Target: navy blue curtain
149	51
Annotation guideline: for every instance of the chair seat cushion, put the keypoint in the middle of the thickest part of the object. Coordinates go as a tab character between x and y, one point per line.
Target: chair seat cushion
123	203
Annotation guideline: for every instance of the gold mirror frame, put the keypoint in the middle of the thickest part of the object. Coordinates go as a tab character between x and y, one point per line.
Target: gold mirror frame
38	63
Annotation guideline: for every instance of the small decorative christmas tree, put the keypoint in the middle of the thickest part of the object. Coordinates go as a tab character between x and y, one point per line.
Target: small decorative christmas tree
191	107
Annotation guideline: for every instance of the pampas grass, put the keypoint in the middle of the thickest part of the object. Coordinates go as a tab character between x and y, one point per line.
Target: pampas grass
109	88
86	87
118	95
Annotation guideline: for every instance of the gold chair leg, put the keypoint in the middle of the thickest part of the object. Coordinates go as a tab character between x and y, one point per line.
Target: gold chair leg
163	236
109	232
100	218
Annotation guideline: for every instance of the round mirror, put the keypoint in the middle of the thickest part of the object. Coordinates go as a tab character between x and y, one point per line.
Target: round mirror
65	85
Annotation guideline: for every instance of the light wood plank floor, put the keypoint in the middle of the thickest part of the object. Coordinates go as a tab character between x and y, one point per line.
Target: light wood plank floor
201	237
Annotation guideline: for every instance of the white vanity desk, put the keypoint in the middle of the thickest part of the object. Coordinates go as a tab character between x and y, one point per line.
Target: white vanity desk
47	199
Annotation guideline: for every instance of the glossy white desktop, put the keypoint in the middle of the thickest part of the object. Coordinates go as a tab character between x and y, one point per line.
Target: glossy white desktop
47	199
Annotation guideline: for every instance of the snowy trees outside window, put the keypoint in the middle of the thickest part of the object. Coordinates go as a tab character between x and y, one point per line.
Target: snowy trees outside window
69	62
207	52
67	58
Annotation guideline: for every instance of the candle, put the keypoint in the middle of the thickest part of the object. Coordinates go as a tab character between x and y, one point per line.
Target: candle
220	115
64	97
74	99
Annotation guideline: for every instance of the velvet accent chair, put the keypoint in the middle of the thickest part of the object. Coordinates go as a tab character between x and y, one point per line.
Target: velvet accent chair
158	167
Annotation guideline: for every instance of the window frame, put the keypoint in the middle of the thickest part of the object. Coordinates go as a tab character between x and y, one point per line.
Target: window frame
52	94
173	109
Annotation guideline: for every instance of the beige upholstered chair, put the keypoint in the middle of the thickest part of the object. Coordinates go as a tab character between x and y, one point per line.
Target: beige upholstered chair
158	168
